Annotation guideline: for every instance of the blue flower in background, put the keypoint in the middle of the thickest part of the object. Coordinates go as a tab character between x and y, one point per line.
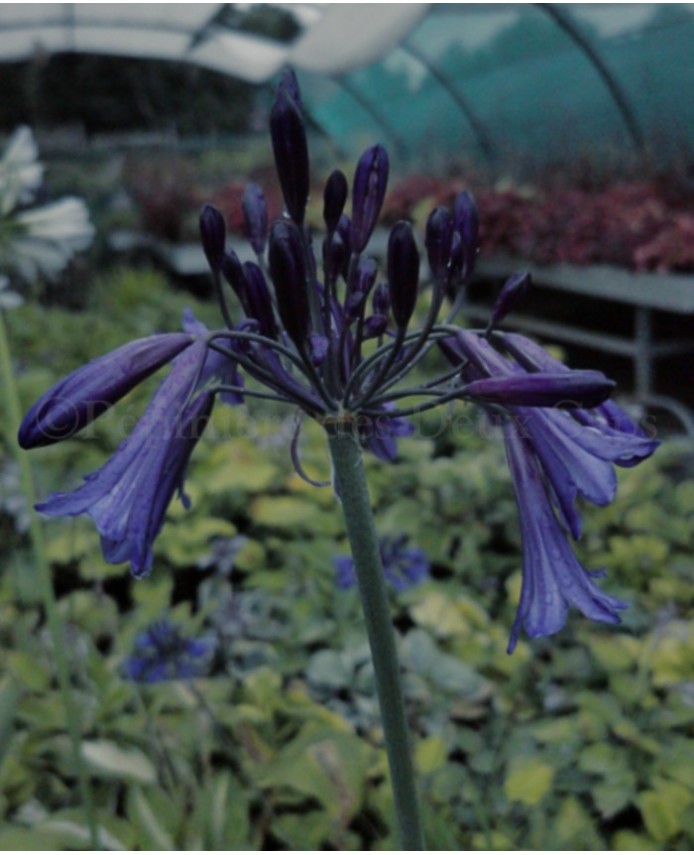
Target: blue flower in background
162	652
403	567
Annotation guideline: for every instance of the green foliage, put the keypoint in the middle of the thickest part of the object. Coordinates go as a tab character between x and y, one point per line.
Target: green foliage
583	741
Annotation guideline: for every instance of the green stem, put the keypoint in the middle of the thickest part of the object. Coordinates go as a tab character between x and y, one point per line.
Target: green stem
45	581
351	485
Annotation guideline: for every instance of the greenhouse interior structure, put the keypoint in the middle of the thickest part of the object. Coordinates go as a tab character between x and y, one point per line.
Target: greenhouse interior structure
346	426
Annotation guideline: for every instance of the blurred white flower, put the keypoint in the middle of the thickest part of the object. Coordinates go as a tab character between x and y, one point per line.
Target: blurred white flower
20	171
48	237
36	240
8	299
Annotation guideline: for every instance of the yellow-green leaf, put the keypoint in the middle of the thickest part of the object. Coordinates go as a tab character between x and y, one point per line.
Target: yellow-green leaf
528	781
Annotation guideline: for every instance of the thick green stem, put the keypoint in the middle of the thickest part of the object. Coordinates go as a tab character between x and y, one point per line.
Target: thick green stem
350	481
45	582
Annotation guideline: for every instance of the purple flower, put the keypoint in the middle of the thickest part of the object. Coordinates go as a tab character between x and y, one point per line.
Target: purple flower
378	433
555	455
403	567
342	345
127	498
84	395
553	578
162	652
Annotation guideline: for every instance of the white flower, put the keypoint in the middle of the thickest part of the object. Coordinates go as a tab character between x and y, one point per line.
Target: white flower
8	299
20	171
49	236
36	240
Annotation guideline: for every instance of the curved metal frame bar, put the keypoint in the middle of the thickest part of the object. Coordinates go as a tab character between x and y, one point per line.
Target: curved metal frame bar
483	140
564	21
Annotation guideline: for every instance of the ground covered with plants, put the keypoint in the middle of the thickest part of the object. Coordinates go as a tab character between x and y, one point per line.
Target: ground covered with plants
272	739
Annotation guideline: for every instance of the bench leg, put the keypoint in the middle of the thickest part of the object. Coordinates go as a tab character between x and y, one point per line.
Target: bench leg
643	357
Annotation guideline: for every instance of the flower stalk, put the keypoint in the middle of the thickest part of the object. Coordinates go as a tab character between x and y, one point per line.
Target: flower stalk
55	626
351	487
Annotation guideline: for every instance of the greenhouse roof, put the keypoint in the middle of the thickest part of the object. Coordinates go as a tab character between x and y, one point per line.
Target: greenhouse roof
539	82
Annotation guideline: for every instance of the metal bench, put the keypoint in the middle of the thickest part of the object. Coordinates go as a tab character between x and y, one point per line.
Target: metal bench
645	293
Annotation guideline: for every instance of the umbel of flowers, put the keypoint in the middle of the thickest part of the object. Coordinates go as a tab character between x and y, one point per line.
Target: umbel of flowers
339	344
339	347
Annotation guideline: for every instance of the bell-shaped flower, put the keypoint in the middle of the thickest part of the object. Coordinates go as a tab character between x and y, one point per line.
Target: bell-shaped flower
127	498
553	578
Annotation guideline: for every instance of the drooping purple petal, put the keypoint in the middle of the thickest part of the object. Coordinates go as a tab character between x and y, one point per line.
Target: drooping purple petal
553	578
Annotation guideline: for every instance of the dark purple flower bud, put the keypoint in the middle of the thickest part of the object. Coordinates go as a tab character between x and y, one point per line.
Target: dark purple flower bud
334	198
466	222
335	260
213	233
258	302
512	295
91	390
232	270
374	326
291	153
366	275
344	233
564	390
370	182
288	272
381	299
319	345
403	272
439	233
289	85
353	306
255	215
457	254
364	280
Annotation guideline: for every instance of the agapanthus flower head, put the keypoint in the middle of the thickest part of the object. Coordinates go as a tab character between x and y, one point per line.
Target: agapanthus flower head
163	652
404	566
340	345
